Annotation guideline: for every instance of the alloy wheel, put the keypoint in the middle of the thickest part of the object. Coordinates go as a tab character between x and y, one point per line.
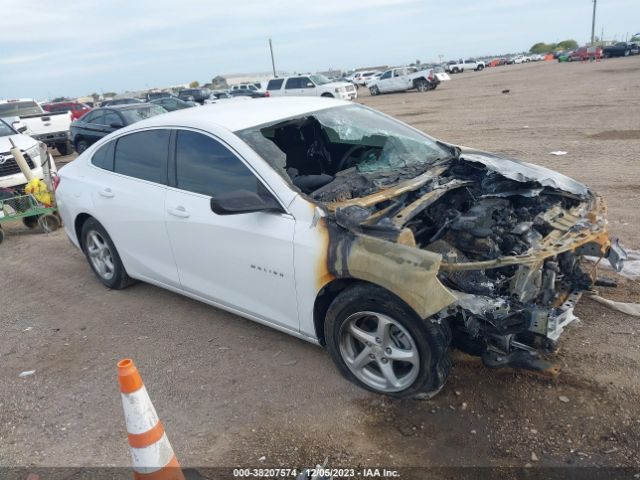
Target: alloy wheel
379	351
100	255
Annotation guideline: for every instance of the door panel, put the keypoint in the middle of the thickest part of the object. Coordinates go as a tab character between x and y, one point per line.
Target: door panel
131	207
243	261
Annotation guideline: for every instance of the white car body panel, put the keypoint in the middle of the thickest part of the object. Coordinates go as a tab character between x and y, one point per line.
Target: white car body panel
209	257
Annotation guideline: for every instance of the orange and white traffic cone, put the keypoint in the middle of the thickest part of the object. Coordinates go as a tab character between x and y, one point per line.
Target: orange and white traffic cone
151	452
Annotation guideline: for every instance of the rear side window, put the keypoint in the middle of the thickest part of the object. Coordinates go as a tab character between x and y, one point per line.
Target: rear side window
275	84
143	155
103	157
204	165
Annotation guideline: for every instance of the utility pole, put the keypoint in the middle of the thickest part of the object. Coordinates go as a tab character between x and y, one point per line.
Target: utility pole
273	62
593	23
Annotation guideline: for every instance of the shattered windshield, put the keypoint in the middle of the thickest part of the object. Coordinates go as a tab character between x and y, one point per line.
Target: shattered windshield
329	141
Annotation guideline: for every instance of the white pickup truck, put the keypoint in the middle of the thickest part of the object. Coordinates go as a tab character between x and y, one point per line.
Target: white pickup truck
10	174
403	78
462	65
51	128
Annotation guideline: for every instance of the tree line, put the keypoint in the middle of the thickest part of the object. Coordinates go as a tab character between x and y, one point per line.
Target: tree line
542	47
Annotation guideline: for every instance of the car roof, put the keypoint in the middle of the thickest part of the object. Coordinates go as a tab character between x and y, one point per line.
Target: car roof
235	116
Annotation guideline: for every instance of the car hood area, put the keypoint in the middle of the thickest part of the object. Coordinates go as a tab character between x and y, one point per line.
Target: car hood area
510	237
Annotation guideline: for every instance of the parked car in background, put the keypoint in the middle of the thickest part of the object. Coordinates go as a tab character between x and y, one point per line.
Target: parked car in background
77	109
311	86
344	227
634	48
519	59
585	53
218	96
156	95
620	49
121	101
194	94
10	174
245	86
536	57
403	79
173	103
462	65
361	78
564	56
51	128
242	92
100	122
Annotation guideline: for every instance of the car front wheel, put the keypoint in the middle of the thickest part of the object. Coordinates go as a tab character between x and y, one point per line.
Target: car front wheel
379	343
102	256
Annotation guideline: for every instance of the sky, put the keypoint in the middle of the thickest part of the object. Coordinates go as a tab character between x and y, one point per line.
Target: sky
68	48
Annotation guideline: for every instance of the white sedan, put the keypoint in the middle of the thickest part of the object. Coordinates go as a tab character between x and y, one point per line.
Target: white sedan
337	224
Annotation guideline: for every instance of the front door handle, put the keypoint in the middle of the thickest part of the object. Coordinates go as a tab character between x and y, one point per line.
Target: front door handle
106	193
179	211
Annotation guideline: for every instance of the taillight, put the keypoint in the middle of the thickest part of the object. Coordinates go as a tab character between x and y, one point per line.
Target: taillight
56	182
267	94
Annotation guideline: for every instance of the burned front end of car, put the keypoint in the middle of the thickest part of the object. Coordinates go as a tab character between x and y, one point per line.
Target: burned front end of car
490	245
511	237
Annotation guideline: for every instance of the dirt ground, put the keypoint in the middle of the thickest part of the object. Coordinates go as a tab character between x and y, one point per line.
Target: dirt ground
234	393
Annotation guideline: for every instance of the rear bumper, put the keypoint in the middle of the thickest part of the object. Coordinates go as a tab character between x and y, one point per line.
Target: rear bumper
52	138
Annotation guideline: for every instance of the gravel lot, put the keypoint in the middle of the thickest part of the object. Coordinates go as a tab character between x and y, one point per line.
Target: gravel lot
230	391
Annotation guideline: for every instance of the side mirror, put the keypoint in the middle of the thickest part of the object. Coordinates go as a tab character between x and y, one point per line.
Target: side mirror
310	85
19	127
116	125
243	201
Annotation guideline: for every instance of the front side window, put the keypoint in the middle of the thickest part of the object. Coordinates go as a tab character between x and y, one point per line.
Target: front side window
305	82
204	165
386	75
143	155
293	82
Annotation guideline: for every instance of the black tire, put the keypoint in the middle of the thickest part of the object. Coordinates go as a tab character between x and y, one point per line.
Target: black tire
422	85
64	148
431	339
374	90
480	68
120	279
30	222
81	146
327	95
1	235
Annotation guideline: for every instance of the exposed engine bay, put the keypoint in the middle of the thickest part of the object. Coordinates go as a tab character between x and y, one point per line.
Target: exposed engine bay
510	234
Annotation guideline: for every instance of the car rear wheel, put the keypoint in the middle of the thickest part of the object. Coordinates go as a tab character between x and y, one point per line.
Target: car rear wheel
103	256
64	148
422	85
374	90
81	146
379	343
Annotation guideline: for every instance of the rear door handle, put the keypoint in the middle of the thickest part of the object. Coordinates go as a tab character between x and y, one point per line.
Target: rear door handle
106	193
179	211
